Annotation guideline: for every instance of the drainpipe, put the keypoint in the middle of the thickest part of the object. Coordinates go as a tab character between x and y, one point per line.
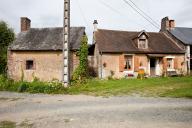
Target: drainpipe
101	66
188	60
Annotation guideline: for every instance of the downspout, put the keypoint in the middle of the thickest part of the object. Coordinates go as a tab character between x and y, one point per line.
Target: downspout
188	59
101	66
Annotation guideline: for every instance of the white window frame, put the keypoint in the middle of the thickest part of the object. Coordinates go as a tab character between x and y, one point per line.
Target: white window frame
172	63
132	70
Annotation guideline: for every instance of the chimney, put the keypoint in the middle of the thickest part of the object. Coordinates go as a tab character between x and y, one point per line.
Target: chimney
25	24
95	23
165	24
171	24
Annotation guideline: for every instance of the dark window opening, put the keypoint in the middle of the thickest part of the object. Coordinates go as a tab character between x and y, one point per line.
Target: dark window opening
152	63
29	65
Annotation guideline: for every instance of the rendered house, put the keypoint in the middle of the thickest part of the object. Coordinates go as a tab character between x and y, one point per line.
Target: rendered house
123	53
37	52
183	37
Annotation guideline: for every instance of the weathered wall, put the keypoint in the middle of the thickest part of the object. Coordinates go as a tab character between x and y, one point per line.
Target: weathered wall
140	60
47	65
110	63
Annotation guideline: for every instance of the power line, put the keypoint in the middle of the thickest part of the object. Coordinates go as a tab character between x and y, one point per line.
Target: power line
84	18
116	11
144	13
110	7
141	14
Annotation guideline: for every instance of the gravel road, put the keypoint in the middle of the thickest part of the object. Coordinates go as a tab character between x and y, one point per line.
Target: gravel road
66	111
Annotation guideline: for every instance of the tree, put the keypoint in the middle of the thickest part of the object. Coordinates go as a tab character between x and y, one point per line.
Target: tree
81	72
6	37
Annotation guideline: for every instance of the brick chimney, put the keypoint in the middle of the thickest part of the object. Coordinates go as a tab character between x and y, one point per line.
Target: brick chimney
167	24
25	24
95	23
171	24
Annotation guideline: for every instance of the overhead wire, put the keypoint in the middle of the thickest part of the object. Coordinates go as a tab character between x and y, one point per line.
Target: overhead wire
116	11
83	16
141	14
110	7
144	13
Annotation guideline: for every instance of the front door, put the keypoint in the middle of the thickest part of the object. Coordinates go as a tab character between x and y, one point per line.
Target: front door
152	66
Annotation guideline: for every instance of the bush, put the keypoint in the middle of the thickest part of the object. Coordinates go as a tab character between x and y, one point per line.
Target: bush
23	87
36	86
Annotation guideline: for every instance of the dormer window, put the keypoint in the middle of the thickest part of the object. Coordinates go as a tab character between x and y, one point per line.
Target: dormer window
142	44
143	40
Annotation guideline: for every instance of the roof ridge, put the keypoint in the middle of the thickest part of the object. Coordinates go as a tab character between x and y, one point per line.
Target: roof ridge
57	27
127	31
183	27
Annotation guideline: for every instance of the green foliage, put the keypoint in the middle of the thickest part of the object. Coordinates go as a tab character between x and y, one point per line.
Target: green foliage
23	87
81	72
36	86
7	124
6	37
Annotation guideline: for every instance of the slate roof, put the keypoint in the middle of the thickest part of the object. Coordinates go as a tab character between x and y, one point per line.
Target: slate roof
122	41
183	34
39	39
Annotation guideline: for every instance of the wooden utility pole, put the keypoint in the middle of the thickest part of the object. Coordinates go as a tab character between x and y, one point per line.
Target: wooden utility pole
66	43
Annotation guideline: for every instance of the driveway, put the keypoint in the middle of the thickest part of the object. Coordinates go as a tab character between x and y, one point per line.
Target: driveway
66	111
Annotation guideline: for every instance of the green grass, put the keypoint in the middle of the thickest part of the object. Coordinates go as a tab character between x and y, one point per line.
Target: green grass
164	87
7	124
154	87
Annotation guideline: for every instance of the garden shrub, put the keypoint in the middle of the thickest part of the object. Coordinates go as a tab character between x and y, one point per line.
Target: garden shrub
54	87
23	87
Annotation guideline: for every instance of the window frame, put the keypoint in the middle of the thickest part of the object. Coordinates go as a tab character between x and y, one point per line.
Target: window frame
142	42
126	62
172	58
170	61
29	66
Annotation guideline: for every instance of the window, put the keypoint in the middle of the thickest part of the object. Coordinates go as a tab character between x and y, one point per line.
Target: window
142	44
128	62
29	65
170	64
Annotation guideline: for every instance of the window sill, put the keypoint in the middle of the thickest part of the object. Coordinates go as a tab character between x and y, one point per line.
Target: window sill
170	70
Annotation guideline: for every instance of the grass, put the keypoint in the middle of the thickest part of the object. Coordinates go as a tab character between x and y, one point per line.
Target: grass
154	87
7	124
10	124
164	87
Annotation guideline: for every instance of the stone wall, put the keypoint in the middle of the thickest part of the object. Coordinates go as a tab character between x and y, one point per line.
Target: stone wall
47	65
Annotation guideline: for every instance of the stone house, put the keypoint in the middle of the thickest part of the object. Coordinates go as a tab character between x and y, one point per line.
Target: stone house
181	35
122	53
37	52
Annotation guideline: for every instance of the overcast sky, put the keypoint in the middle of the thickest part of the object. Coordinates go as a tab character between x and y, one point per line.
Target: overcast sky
111	14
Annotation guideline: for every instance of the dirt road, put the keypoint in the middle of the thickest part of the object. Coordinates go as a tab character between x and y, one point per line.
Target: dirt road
65	111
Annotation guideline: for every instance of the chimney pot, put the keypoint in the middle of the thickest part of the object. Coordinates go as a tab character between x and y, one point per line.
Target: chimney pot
25	24
95	23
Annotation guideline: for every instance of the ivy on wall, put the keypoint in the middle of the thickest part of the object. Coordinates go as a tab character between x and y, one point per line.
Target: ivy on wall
81	72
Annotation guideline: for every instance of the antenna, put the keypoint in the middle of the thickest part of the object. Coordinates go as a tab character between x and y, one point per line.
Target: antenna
66	43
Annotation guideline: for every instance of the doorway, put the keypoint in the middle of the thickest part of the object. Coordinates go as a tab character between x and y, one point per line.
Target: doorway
152	66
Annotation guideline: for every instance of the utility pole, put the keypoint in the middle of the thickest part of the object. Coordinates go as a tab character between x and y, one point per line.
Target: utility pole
66	43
